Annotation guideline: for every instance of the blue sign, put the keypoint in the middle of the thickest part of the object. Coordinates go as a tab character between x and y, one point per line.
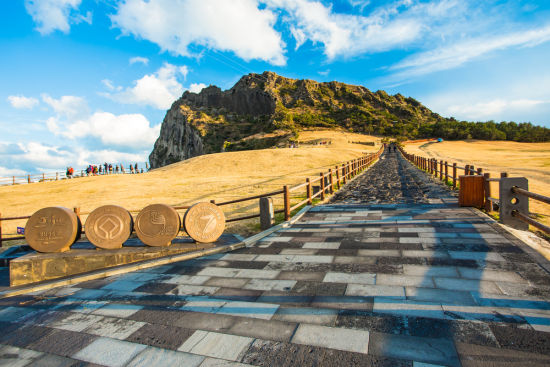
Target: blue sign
20	230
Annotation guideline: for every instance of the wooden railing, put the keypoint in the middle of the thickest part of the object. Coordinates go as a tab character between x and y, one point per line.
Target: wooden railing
513	200
329	182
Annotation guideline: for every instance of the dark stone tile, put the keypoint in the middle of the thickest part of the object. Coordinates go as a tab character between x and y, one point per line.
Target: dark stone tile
337	252
161	336
18	301
401	260
518	257
398	234
245	264
280	354
264	250
156	288
472	333
234	294
158	316
94	284
522	339
286	298
319	288
8	328
452	262
24	336
344	302
372	322
472	355
283	245
401	246
351	244
62	342
185	270
207	321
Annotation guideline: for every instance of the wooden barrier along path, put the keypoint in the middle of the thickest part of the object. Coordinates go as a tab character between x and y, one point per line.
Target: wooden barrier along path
404	283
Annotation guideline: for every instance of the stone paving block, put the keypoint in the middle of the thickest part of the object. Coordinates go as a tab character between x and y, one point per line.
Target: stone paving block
76	322
257	273
152	356
321	245
494	275
404	280
240	257
493	314
218	272
203	304
193	290
450	297
295	258
17	357
438	235
358	278
408	308
84	306
215	362
343	302
235	294
257	310
117	310
460	284
419	240
227	282
428	350
285	298
417	229
270	330
472	355
11	314
317	288
299	251
270	284
482	256
140	277
367	290
425	253
333	338
52	360
430	271
301	275
62	342
217	345
354	260
306	315
156	288
122	285
511	337
368	253
113	327
109	352
187	279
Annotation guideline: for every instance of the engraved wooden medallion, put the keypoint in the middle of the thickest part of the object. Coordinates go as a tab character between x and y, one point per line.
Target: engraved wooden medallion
109	226
157	225
204	222
52	229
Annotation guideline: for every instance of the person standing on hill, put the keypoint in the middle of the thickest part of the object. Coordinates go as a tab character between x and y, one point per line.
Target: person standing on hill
122	169
136	168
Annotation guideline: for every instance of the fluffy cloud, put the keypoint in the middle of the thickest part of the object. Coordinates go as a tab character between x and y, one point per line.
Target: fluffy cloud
159	89
4	172
493	108
238	26
23	102
51	15
196	87
139	59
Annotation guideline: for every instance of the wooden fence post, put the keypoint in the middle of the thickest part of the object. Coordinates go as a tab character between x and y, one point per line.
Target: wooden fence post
441	169
43	177
322	186
286	194
29	179
480	171
0	230
487	187
446	172
13	178
454	175
308	192
57	176
337	178
344	173
467	170
330	181
503	174
472	170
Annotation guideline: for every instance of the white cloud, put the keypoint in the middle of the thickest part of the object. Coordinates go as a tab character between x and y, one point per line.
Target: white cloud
4	172
109	84
344	35
23	102
452	56
238	26
492	108
197	87
159	89
128	130
70	107
139	59
51	15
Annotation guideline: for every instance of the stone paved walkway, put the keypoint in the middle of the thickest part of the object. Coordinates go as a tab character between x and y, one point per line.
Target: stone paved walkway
417	282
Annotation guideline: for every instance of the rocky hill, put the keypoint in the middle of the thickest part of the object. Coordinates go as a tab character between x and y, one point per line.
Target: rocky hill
265	110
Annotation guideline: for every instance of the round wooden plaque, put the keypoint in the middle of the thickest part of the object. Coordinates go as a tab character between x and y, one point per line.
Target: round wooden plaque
52	229
157	225
109	226
204	222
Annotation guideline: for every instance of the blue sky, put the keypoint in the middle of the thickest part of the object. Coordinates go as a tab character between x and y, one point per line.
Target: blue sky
88	81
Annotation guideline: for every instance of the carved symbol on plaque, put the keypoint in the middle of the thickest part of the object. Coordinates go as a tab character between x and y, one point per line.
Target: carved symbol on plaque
109	226
158	225
52	229
204	222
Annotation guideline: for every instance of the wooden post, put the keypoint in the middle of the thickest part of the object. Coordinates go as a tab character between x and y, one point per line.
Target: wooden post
29	179
286	194
331	182
57	176
266	213
76	210
467	170
446	172
441	169
13	180
487	189
43	177
472	170
337	178
322	186
503	174
454	175
308	192
480	171
0	230
344	173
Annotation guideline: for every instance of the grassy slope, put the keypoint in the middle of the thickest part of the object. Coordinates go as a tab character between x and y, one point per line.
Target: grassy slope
530	160
220	176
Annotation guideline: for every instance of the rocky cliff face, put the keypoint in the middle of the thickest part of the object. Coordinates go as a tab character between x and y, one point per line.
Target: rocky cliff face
215	120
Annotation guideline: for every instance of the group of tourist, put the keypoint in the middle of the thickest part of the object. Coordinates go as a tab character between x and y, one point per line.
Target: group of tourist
105	169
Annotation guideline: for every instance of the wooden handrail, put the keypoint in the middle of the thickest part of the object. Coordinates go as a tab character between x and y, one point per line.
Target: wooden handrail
532	195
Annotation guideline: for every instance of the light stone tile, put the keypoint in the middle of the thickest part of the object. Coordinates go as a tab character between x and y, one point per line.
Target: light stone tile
152	356
12	355
215	362
417	229
307	315
227	282
438	234
239	257
187	279
190	290
432	271
216	345
114	327
495	275
117	310
270	284
122	285
466	285
356	278
389	253
109	352
257	273
255	310
425	253
276	238
404	280
75	322
333	338
298	251
367	290
354	260
418	240
408	308
218	272
203	304
486	256
321	245
90	294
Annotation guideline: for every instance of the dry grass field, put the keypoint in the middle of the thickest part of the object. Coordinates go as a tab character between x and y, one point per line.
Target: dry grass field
221	176
530	160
